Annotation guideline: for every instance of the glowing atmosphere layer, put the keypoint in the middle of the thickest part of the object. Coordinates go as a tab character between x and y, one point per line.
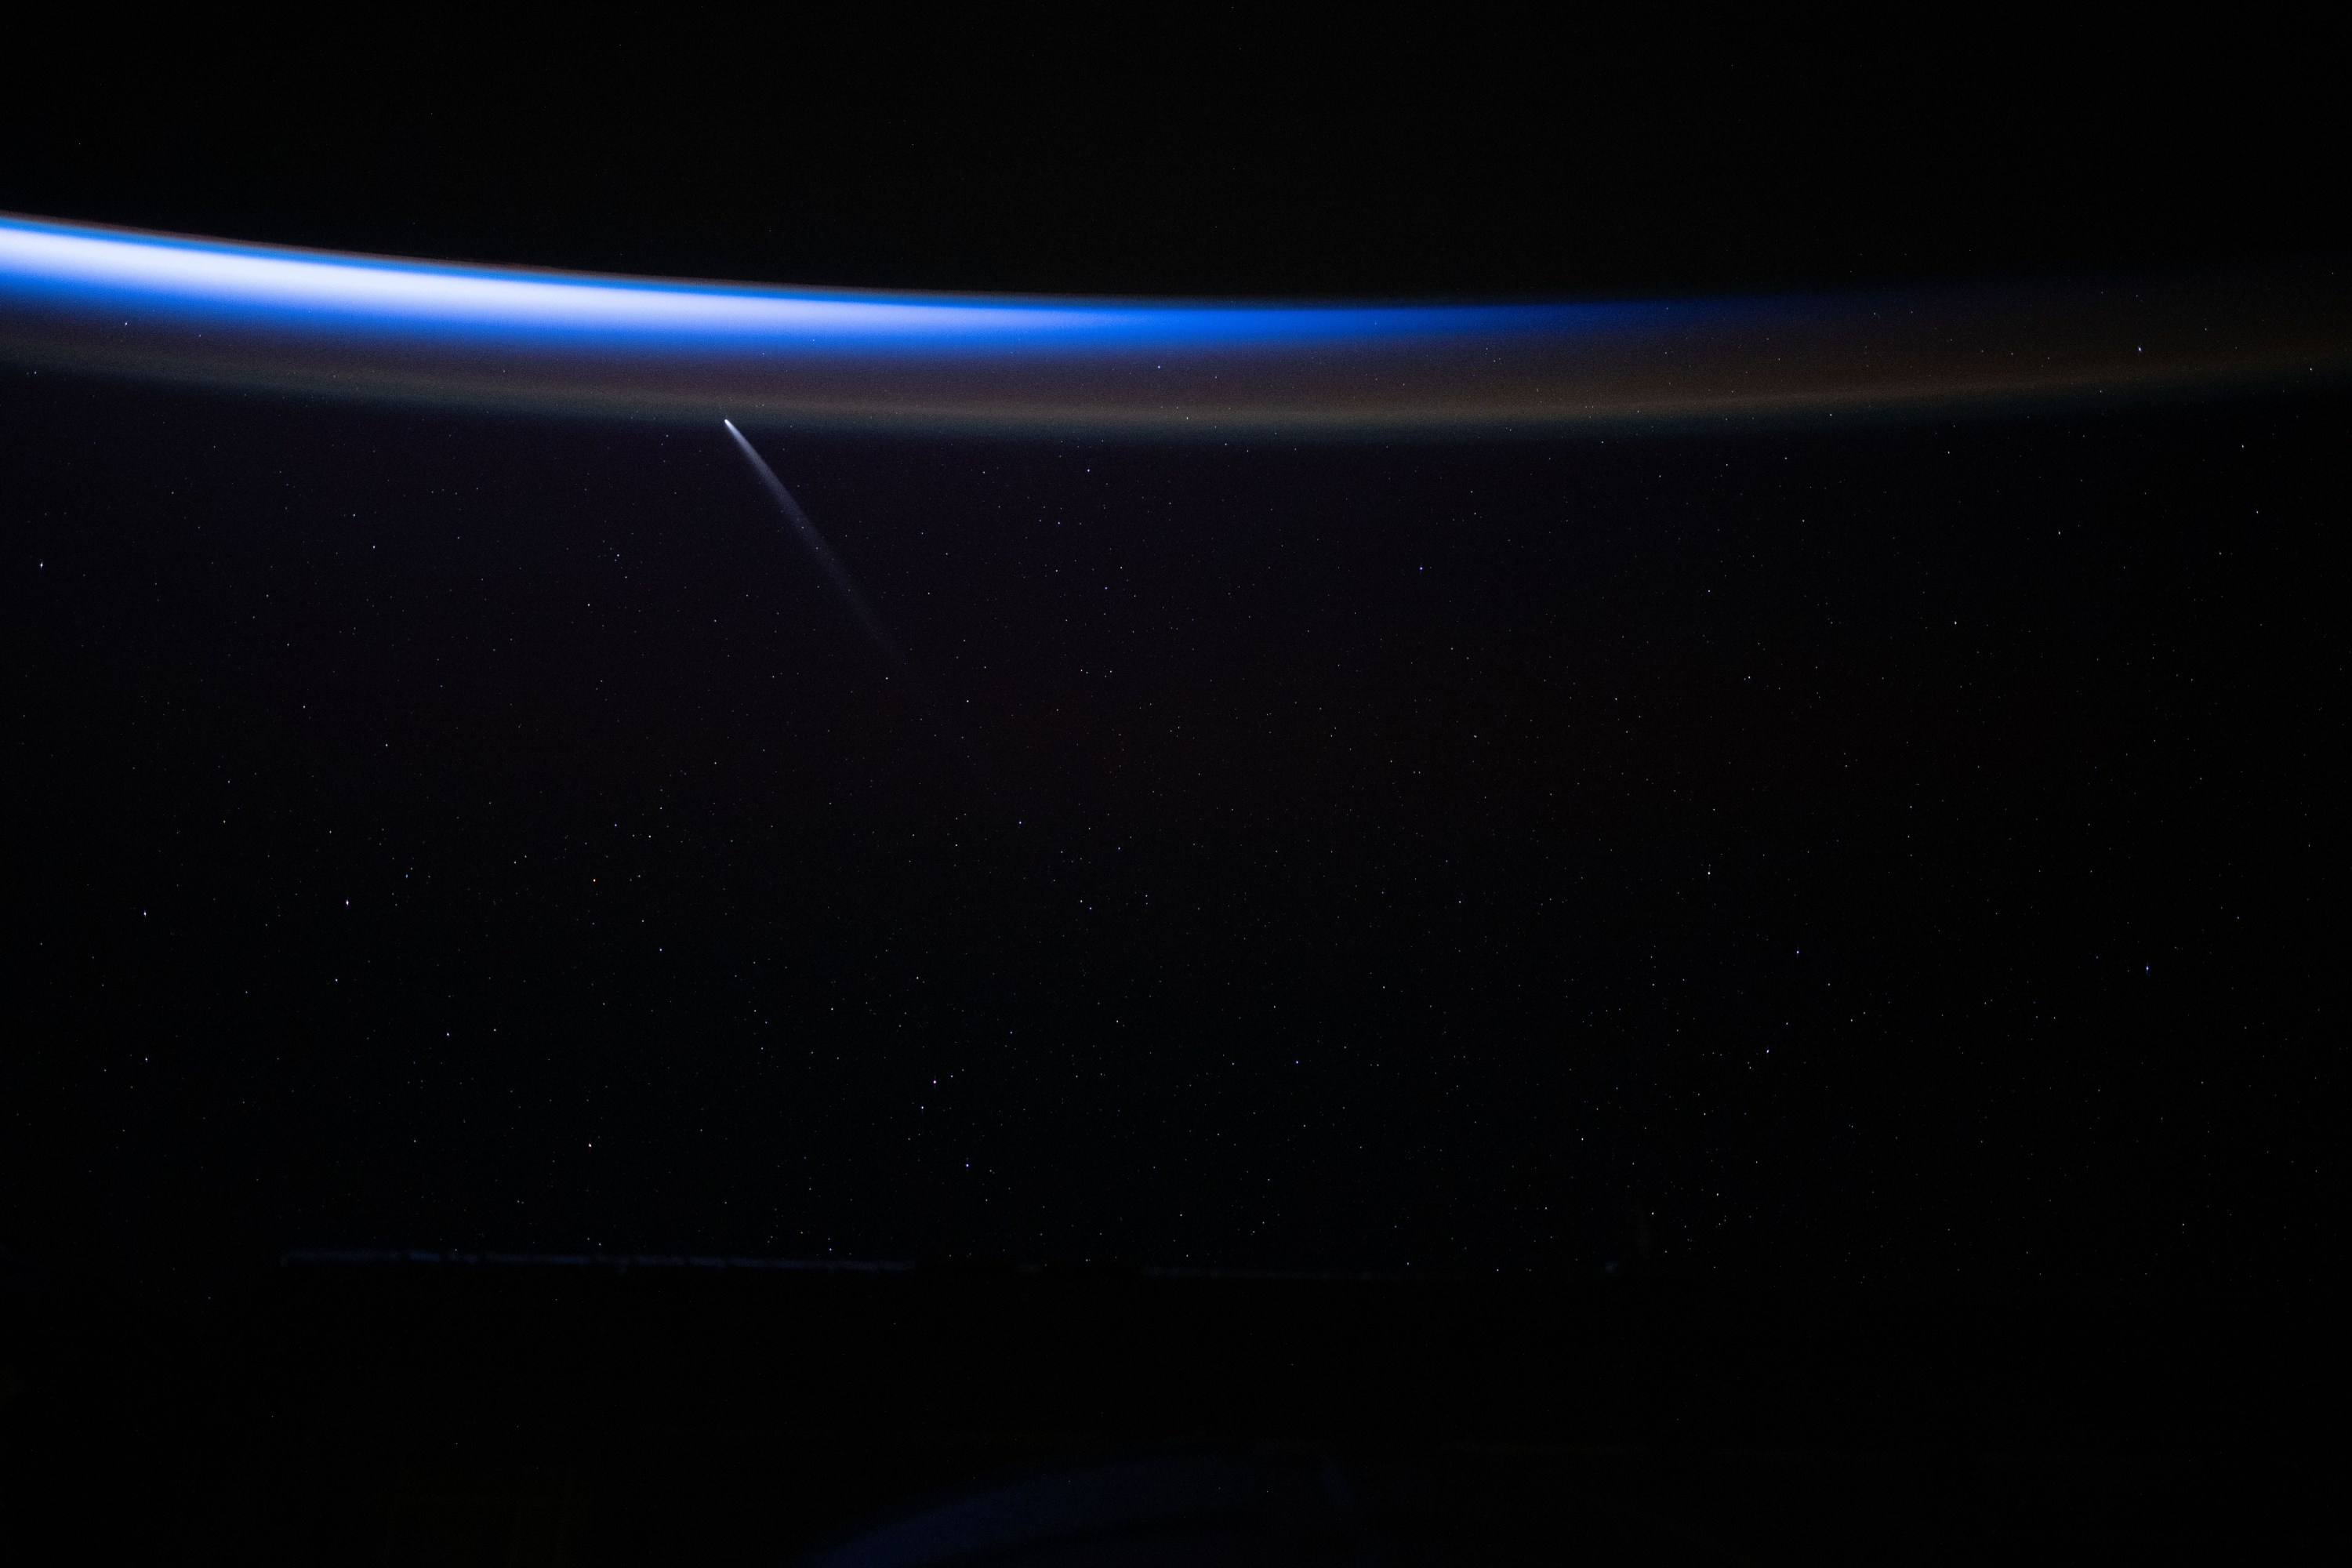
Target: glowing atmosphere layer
86	298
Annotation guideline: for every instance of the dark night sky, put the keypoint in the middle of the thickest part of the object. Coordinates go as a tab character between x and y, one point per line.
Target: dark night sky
1902	851
1203	149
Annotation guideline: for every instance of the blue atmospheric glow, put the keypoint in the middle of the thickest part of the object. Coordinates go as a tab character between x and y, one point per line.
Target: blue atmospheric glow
164	279
315	322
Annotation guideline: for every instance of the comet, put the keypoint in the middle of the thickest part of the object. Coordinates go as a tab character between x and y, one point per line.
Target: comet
845	588
837	576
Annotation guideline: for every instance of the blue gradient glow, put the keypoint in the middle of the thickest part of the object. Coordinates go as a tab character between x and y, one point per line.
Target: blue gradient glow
202	311
198	282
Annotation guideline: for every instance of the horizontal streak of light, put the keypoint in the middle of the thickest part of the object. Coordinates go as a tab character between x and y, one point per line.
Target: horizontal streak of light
78	296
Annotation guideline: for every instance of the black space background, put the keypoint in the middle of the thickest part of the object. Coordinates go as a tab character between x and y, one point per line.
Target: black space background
1909	852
